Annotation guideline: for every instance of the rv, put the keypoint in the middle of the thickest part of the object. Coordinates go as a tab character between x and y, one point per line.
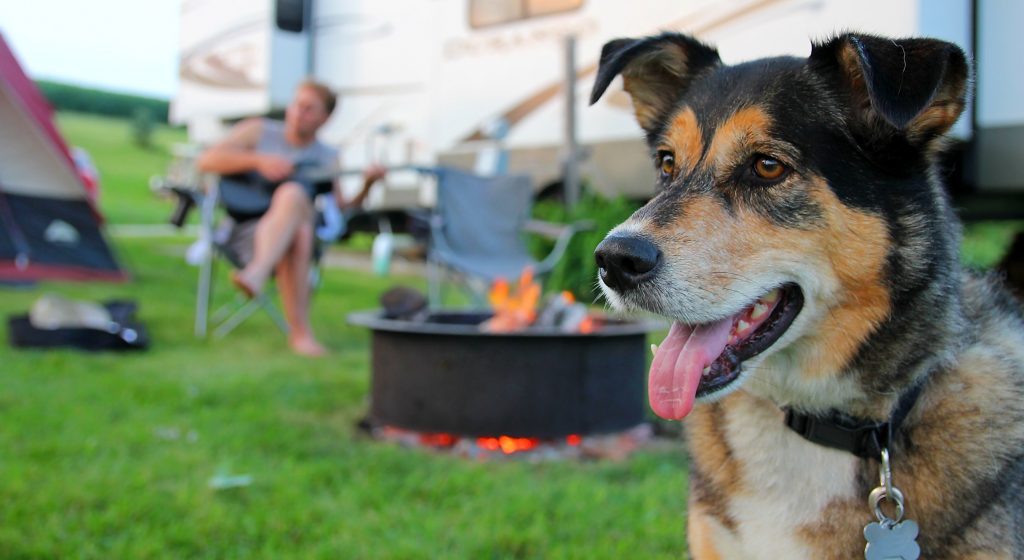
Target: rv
504	84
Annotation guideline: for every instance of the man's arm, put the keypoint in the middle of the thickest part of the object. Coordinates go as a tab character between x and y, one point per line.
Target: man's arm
236	153
372	174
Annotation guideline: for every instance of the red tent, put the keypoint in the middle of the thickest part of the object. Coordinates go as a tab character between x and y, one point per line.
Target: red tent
49	228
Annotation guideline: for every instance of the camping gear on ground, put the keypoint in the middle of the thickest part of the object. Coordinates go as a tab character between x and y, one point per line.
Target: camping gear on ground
49	227
55	322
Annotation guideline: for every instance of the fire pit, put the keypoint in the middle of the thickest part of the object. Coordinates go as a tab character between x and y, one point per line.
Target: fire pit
445	378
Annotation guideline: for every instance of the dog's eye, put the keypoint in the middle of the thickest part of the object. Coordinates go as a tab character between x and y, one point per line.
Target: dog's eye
667	163
768	168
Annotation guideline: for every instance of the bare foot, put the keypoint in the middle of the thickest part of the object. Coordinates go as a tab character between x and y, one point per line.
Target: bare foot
307	346
243	284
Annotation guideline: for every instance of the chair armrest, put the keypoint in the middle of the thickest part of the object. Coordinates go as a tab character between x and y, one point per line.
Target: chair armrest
553	230
565	232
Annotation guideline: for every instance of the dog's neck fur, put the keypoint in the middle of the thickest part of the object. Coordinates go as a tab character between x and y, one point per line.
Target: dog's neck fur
894	362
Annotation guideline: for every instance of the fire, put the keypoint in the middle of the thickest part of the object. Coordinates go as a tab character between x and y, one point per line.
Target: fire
507	445
513	310
587	325
438	440
516	309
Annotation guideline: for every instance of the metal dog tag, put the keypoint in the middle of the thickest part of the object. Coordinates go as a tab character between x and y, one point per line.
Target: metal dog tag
889	538
891	541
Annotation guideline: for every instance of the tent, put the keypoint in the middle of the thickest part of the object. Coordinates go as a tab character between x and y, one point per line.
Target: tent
49	227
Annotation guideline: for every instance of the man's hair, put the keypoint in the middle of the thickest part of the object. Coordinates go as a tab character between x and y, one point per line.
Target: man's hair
329	98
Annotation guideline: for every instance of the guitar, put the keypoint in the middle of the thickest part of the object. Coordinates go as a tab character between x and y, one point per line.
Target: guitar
249	193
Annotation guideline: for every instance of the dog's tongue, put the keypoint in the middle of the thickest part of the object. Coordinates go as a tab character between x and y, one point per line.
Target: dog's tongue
679	363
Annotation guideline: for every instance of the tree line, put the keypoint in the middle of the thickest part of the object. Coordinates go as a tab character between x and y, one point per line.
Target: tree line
66	97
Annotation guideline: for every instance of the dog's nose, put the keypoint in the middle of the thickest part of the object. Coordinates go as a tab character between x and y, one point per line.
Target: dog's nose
625	262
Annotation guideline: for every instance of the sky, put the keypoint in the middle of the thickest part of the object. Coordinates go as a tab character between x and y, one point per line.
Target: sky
129	46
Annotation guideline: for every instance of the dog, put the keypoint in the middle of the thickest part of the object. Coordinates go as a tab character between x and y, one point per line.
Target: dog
805	249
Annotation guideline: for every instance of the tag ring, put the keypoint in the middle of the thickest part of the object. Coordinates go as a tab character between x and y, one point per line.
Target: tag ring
875	501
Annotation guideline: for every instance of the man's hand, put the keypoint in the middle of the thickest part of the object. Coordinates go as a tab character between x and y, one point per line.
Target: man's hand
274	168
374	173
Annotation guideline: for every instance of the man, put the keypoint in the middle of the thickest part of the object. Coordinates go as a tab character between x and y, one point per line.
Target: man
283	234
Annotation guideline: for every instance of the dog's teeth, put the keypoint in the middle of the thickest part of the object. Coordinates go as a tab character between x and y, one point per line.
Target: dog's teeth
706	371
654	349
742	326
772	297
759	310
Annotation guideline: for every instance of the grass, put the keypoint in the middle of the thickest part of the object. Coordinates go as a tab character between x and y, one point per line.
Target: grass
124	167
109	455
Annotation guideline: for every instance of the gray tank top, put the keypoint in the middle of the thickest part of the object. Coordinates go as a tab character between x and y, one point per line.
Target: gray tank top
315	155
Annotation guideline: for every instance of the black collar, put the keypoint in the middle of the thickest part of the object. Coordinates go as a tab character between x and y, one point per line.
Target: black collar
863	438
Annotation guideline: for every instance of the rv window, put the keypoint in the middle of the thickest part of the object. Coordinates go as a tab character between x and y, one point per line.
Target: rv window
291	15
483	13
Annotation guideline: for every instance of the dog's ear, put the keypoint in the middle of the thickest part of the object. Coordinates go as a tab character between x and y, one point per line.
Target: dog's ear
917	86
655	71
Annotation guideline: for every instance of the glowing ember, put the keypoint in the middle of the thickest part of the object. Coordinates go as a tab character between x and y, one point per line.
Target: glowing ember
438	440
605	446
508	445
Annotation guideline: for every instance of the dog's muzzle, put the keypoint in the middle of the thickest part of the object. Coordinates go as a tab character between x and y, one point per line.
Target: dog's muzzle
626	261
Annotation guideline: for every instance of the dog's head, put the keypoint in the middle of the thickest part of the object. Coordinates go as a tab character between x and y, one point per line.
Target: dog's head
797	222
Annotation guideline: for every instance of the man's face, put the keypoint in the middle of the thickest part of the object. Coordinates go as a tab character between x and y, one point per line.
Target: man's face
306	113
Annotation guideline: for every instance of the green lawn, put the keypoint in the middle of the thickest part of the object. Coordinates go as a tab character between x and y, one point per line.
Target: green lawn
109	455
124	167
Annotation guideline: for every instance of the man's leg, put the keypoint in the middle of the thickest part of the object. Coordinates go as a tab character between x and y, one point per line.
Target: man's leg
293	286
275	233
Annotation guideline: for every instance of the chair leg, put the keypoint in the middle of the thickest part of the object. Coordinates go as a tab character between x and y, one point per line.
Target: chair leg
228	309
236	318
477	288
276	316
434	273
207	207
249	307
203	295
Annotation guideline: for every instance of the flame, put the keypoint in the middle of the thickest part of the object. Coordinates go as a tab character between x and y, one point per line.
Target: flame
587	325
516	309
513	310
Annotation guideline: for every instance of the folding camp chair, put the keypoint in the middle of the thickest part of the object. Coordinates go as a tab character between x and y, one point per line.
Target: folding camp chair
232	242
220	239
477	233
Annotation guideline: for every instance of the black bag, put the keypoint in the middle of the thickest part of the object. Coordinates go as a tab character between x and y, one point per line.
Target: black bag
123	332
